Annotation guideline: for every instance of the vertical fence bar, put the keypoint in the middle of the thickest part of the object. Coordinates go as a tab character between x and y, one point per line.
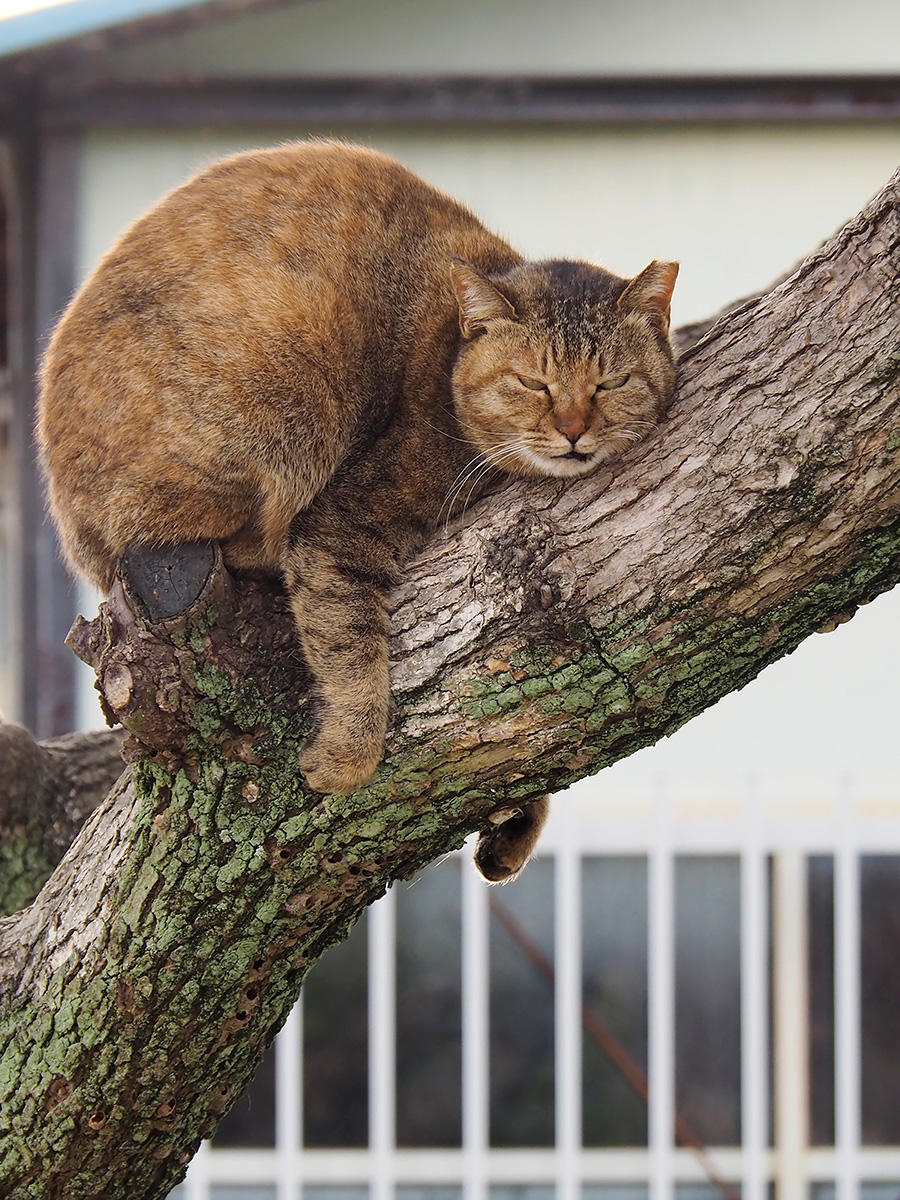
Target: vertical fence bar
754	1005
567	1011
289	1104
475	1027
382	1046
196	1182
791	1023
661	1025
847	1016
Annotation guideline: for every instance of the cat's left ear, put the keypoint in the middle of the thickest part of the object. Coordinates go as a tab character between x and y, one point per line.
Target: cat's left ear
479	301
651	291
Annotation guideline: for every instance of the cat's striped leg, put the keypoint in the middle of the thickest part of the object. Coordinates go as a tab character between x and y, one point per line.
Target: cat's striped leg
340	606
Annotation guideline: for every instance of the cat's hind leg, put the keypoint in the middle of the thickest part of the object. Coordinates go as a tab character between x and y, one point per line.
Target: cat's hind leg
503	848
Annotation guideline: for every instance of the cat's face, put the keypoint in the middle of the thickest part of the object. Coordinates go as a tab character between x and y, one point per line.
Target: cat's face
563	365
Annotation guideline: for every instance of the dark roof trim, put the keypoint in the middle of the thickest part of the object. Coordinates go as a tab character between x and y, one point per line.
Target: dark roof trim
478	101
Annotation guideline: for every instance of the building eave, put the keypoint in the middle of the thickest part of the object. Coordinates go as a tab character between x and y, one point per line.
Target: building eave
34	43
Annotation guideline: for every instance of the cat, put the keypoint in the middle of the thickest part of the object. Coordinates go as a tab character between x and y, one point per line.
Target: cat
312	356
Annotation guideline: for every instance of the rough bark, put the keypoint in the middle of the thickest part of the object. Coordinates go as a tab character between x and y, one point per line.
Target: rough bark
47	789
551	631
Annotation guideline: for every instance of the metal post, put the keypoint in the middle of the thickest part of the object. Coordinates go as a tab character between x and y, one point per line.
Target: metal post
847	1005
382	1045
41	170
567	1008
661	1047
791	1023
754	1006
476	1038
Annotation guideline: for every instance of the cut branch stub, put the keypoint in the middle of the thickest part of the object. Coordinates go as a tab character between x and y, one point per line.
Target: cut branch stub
166	583
187	657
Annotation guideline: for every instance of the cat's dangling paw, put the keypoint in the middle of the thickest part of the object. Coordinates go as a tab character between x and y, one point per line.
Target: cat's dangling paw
506	845
338	763
347	741
334	775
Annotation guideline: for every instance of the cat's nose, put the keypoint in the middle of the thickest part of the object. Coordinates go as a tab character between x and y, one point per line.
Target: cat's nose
571	426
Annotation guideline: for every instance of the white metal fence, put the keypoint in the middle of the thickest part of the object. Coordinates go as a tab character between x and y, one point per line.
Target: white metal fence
774	887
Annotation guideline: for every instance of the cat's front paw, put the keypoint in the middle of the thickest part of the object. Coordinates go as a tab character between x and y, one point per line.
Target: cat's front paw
507	844
337	766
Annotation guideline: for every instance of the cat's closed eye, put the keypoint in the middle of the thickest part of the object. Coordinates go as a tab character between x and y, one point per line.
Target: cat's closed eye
615	381
534	385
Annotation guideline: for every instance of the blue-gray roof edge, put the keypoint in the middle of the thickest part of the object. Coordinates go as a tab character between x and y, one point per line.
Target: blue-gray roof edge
77	18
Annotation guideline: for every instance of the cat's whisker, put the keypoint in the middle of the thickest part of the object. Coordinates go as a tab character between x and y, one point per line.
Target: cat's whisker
505	451
630	433
637	435
472	466
503	446
494	462
475	482
475	429
444	432
473	473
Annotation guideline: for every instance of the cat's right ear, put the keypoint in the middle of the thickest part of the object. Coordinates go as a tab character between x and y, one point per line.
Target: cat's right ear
651	290
479	301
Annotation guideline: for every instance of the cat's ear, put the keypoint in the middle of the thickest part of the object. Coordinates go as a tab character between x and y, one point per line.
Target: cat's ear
479	301
651	291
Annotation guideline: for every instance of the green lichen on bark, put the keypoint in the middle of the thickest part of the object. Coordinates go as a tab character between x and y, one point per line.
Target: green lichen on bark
24	865
617	686
199	879
888	370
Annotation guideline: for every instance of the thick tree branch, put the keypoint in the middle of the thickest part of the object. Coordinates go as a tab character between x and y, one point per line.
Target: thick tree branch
47	789
552	630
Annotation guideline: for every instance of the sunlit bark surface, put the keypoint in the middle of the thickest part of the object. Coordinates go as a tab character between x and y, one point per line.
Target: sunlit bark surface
552	630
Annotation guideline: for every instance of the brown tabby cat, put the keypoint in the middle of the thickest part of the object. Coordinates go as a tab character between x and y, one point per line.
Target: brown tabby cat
314	357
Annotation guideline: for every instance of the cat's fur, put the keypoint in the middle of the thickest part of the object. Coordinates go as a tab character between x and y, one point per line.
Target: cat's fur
312	356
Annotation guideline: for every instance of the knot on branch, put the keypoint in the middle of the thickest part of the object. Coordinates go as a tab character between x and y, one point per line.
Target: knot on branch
187	655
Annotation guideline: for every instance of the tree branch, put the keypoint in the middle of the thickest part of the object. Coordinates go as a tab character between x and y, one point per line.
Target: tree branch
47	789
552	630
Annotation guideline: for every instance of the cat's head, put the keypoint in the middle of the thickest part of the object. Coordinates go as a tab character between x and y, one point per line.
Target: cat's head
562	365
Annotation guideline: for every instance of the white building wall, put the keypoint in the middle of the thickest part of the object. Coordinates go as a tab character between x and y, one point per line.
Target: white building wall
530	37
738	205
